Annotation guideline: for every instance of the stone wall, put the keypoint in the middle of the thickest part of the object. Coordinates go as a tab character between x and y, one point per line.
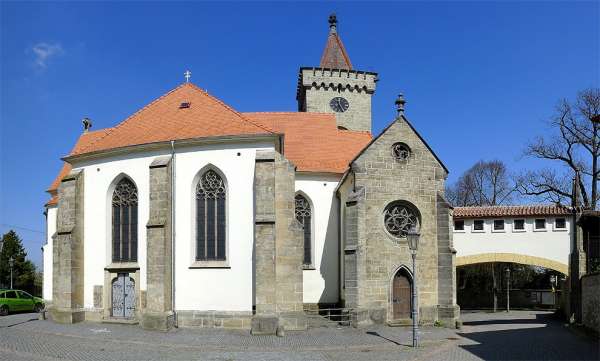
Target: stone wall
418	181
67	252
319	86
590	301
278	247
158	313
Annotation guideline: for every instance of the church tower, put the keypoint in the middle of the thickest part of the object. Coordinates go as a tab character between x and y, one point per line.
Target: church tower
335	87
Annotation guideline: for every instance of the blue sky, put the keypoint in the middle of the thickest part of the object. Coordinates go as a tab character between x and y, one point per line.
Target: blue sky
480	77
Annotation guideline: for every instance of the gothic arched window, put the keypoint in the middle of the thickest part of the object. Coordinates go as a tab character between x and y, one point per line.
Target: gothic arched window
210	217
303	215
124	222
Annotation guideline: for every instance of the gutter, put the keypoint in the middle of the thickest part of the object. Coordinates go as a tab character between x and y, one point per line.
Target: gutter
173	202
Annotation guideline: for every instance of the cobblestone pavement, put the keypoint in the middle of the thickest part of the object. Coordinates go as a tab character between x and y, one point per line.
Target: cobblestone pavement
518	335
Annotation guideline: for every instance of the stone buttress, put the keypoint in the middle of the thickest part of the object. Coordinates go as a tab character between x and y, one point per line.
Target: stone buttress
67	252
278	248
158	313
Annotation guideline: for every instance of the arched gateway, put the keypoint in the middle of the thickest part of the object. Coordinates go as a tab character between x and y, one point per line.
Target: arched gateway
401	295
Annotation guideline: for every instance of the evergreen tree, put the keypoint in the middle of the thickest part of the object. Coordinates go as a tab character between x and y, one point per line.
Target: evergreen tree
23	269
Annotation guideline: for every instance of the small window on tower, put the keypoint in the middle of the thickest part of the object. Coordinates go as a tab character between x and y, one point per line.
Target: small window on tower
184	105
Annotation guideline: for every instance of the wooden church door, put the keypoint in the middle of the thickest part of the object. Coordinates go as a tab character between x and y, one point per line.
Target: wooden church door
401	296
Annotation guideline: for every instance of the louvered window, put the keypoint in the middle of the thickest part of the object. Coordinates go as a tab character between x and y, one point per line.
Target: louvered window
210	217
303	215
124	222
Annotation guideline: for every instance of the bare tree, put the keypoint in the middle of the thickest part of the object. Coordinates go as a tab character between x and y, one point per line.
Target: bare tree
484	184
574	146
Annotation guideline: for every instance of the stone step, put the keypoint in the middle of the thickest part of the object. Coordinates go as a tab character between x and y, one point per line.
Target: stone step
400	323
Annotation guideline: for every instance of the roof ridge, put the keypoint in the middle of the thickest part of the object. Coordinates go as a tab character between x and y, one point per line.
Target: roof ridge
131	116
239	114
292	112
517	206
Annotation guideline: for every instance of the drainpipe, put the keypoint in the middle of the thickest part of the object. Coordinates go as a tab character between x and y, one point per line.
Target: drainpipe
173	202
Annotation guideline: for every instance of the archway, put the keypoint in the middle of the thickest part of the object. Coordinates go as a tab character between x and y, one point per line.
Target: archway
513	258
401	294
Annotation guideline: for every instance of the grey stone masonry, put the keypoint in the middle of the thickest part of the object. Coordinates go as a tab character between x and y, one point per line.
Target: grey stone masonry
317	86
289	249
278	247
67	252
264	233
417	182
158	313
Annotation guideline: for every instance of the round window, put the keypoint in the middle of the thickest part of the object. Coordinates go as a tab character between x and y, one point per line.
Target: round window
401	151
399	218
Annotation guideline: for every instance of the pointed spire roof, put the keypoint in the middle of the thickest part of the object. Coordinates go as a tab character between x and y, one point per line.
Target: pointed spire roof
335	56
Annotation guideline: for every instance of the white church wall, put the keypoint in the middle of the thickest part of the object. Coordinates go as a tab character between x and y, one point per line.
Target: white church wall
549	243
219	289
321	284
47	261
100	178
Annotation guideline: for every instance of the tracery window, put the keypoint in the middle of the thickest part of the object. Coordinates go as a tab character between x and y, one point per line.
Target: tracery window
401	151
124	222
399	218
210	217
303	215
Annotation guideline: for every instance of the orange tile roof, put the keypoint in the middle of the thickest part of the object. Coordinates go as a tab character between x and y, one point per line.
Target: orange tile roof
164	120
511	211
84	140
312	141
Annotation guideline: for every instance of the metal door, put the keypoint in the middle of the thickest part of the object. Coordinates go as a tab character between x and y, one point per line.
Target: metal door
123	296
401	296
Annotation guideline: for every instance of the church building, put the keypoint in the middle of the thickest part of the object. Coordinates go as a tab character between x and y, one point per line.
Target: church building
190	213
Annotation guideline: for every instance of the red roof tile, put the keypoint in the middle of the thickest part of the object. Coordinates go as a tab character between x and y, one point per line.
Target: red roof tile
164	120
511	211
312	141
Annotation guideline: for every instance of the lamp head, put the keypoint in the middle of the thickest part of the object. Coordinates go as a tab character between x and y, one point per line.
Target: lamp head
413	239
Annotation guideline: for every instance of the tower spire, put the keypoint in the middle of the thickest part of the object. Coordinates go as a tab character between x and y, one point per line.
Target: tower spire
335	56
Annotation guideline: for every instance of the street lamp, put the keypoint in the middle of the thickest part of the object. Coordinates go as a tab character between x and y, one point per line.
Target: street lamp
507	270
11	264
413	244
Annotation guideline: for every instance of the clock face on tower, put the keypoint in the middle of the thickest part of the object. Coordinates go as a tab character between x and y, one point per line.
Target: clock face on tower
339	104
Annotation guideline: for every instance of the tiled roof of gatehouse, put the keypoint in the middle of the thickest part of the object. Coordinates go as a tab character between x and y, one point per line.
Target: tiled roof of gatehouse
511	211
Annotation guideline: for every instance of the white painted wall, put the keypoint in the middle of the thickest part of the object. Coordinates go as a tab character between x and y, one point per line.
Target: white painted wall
220	289
321	284
47	261
100	178
551	243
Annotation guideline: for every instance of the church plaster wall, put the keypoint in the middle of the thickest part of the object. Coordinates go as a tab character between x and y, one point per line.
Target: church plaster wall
225	288
50	230
101	177
321	282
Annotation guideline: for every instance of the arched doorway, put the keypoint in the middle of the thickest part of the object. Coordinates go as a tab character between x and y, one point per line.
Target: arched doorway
401	295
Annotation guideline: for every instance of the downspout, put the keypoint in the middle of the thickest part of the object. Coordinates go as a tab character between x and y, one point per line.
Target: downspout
173	202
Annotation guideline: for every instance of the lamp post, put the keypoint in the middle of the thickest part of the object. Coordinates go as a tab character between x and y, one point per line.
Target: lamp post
11	264
507	270
413	244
